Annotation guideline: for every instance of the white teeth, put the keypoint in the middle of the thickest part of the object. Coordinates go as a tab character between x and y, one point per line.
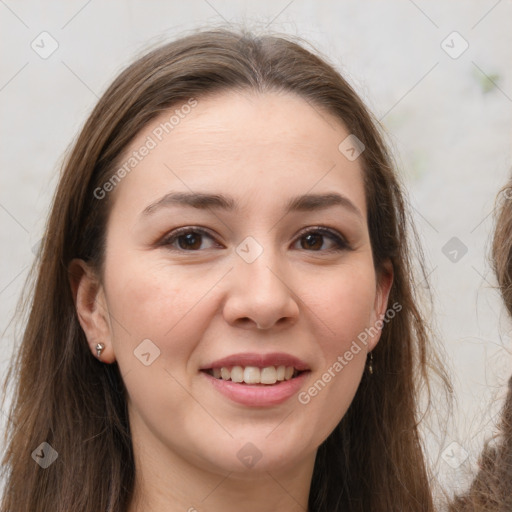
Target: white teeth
237	373
254	375
268	375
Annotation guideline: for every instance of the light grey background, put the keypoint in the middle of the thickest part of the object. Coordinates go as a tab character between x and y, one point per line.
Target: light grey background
448	119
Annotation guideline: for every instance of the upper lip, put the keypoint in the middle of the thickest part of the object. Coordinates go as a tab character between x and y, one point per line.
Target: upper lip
258	360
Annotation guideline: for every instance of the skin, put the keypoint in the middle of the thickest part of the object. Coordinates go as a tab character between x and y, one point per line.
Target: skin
300	296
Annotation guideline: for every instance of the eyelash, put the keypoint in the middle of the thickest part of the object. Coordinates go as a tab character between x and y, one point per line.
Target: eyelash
340	242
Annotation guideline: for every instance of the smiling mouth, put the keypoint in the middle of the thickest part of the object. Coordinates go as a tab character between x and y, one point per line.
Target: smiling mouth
268	375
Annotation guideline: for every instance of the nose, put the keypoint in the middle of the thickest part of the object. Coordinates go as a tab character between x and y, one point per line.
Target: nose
259	295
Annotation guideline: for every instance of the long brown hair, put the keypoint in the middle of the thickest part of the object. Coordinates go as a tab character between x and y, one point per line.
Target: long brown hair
491	490
372	461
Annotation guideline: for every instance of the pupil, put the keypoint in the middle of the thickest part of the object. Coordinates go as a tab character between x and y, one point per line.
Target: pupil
191	241
311	238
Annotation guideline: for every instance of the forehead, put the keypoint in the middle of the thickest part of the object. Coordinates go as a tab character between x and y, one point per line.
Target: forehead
248	143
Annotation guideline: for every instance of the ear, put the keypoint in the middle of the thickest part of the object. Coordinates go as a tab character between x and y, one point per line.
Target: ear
91	308
384	283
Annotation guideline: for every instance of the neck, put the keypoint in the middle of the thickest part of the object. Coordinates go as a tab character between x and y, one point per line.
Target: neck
169	483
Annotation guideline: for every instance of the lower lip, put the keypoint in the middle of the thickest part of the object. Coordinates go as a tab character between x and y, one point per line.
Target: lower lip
258	395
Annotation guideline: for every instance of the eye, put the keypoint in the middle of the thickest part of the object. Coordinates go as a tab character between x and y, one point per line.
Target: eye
187	239
314	240
191	238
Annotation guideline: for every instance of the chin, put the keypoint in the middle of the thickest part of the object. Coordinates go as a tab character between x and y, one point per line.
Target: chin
259	456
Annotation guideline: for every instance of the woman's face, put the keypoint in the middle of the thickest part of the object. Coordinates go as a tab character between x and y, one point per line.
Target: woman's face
271	274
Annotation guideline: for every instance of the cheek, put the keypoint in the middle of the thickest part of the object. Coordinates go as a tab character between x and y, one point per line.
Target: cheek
344	309
345	305
162	304
156	302
349	309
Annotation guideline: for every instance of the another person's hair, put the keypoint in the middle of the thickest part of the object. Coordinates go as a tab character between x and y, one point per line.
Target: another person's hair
491	490
372	461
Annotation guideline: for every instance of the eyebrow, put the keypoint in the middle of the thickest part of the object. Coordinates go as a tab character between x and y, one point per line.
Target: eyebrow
203	201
